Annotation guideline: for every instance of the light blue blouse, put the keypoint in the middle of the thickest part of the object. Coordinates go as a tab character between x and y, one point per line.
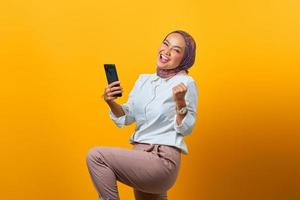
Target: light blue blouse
151	105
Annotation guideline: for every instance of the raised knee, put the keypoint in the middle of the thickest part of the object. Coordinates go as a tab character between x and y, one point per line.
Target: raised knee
92	153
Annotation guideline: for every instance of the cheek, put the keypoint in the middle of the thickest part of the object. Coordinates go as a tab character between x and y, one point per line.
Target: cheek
161	48
177	58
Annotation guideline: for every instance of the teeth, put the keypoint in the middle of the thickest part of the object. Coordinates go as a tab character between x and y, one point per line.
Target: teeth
164	57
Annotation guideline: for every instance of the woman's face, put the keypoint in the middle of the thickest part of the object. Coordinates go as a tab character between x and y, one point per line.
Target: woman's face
171	51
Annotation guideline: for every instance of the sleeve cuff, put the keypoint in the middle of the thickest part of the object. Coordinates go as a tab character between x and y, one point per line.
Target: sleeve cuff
120	121
186	124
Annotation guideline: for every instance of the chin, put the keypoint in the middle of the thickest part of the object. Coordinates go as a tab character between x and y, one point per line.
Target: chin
161	66
165	67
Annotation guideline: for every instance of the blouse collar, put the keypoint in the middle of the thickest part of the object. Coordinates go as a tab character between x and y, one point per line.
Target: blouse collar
155	77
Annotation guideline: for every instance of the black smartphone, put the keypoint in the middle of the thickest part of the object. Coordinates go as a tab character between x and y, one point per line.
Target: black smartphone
112	75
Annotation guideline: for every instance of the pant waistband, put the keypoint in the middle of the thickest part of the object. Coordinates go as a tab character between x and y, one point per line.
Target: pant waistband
155	147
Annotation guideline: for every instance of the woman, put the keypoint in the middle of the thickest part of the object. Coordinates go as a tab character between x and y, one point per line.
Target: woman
163	105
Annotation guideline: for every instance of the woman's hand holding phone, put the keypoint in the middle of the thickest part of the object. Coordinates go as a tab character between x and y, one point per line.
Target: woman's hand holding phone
112	90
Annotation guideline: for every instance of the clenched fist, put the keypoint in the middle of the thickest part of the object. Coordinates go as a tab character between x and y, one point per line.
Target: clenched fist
179	92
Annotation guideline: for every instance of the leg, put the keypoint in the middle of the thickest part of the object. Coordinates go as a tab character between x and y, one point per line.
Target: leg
147	196
145	171
103	178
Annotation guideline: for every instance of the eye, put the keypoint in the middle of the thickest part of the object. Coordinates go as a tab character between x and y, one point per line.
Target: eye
177	50
165	43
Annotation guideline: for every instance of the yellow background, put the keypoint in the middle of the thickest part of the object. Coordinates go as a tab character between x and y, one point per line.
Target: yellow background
245	145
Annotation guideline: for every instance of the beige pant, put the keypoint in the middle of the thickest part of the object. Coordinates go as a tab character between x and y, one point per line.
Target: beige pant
150	169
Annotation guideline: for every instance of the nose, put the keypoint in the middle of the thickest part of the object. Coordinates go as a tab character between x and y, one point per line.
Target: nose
167	51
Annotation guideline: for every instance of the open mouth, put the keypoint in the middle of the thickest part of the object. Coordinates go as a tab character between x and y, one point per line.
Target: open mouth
163	58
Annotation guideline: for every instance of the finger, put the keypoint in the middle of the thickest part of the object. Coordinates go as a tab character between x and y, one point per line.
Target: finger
182	89
179	89
107	90
179	86
115	92
175	90
111	98
114	83
116	88
182	85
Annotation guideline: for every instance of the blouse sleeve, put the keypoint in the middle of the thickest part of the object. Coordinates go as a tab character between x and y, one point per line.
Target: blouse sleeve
128	118
188	122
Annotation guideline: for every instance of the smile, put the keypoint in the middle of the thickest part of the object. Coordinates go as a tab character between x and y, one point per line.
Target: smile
163	58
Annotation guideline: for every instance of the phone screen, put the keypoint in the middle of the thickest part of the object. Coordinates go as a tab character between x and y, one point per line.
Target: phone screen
111	75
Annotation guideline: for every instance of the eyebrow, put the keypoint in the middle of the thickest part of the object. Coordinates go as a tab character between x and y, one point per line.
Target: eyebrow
174	45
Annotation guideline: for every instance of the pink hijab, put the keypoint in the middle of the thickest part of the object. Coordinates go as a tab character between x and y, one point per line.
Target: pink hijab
187	60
